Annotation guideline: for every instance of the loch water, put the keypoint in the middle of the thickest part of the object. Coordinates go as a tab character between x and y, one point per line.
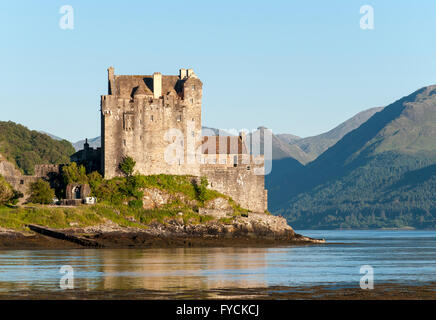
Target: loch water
401	256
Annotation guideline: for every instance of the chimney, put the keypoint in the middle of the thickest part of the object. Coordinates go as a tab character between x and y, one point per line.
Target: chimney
110	78
189	73
182	74
157	85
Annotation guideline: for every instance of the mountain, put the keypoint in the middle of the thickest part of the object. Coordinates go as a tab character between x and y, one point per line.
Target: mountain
316	145
51	135
382	174
279	148
93	143
288	138
25	148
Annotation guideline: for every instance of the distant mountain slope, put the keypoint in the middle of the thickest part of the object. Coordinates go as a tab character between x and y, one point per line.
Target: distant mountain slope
280	149
93	143
25	148
316	145
380	174
51	135
288	138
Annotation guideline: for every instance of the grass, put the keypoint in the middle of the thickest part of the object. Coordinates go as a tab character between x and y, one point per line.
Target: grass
121	203
17	218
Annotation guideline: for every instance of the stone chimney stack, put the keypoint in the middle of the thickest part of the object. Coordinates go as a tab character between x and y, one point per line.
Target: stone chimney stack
183	74
110	79
157	85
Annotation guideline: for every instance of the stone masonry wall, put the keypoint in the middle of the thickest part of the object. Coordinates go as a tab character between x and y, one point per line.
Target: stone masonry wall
241	184
21	182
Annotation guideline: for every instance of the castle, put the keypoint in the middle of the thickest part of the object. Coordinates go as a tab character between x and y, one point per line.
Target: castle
156	120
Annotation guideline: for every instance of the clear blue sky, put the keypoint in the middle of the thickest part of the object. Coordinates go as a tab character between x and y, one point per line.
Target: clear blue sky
299	67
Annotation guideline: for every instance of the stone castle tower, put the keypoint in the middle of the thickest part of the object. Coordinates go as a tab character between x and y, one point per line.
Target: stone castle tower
137	113
143	114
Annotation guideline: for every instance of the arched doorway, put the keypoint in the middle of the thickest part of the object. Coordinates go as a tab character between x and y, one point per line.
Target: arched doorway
77	193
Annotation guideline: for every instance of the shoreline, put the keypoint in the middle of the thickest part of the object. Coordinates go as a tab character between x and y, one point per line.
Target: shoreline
383	291
260	231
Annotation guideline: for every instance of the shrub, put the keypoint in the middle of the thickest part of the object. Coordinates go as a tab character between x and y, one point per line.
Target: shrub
40	192
7	194
74	173
127	166
95	180
135	203
201	189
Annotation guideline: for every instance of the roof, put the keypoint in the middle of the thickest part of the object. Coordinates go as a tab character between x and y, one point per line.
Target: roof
142	89
126	84
223	145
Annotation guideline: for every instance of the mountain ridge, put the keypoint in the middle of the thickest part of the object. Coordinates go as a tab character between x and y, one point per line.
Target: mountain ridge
368	169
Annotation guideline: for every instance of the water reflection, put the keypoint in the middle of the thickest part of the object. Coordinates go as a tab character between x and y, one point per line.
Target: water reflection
400	256
153	269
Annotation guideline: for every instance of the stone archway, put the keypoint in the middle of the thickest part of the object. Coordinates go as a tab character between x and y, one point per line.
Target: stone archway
77	194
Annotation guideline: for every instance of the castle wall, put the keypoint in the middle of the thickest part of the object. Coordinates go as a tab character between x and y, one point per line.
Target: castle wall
21	182
246	188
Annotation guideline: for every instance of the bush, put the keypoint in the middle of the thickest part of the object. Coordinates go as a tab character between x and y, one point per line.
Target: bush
95	180
127	166
135	204
40	192
74	173
7	194
201	189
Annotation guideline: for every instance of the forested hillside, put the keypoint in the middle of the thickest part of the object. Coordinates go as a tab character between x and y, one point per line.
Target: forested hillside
26	148
382	174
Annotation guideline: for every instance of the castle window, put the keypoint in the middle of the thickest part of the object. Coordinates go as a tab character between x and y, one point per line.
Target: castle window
193	87
192	100
235	161
124	141
21	181
151	118
248	168
193	133
179	118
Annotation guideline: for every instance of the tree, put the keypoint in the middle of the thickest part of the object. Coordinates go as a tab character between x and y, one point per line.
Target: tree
7	193
127	165
95	180
74	173
40	192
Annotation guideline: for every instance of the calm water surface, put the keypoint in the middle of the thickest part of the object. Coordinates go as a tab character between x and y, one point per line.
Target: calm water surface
396	256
